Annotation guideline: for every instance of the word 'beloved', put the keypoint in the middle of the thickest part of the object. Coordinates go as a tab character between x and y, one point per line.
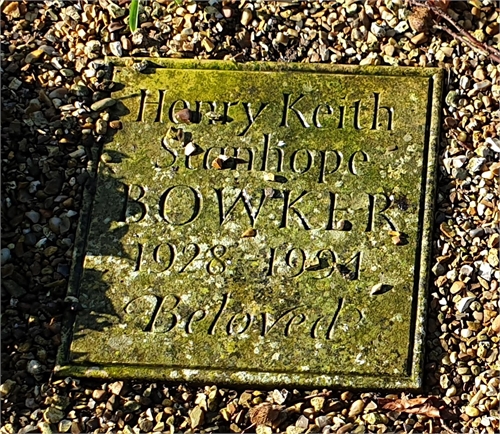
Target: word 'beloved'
157	314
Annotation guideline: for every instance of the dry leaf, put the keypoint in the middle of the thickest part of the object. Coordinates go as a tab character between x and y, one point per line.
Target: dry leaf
415	405
263	414
184	116
249	233
425	409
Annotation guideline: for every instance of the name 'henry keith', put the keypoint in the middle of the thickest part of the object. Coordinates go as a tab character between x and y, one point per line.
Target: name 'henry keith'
345	114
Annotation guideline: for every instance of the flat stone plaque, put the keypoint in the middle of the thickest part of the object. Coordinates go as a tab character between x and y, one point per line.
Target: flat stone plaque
259	224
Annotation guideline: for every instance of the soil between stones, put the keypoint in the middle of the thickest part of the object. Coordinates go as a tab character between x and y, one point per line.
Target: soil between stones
54	113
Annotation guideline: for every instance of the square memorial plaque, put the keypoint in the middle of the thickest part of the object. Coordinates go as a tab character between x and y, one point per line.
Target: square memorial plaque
259	224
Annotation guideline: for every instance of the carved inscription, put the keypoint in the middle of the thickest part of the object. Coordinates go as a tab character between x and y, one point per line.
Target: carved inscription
376	207
325	208
291	109
157	314
287	262
326	165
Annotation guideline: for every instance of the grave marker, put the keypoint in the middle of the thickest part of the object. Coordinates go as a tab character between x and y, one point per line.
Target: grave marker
260	224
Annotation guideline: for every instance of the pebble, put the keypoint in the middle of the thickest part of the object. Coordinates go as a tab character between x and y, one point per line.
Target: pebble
35	367
246	16
58	93
494	144
55	224
103	104
78	153
263	429
116	125
466	270
66	72
465	333
482	85
438	269
318	403
115	11
101	126
495	325
13	288
116	387
6	388
5	255
207	44
451	391
64	425
419	39
356	408
464	303
33	216
45	427
475	164
116	48
377	30
33	56
15	84
227	11
282	38
457	287
53	186
196	416
347	428
472	411
145	425
477	232
485	271
53	415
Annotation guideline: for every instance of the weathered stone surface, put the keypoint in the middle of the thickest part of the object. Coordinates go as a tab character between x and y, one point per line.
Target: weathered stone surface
251	256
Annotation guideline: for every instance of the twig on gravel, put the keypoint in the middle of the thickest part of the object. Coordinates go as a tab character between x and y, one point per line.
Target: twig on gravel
247	428
478	48
461	34
443	424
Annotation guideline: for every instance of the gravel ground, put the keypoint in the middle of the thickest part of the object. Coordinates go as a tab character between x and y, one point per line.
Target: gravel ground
53	72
